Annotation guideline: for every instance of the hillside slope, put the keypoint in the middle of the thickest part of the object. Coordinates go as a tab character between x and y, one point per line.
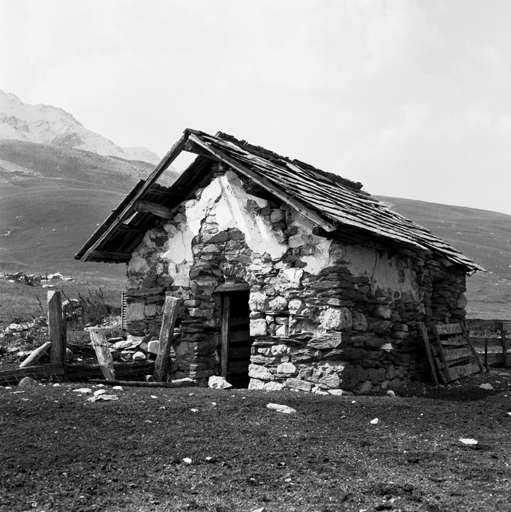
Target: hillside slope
52	199
484	236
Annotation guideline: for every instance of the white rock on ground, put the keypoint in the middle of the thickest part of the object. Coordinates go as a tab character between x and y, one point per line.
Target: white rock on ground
217	382
281	408
84	391
103	397
469	442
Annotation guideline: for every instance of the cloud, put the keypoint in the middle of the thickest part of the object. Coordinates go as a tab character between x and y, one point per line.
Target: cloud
410	97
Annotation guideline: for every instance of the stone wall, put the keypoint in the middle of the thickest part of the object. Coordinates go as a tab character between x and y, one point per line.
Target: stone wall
326	316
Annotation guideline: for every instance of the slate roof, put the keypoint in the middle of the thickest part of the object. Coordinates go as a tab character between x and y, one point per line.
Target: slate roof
336	205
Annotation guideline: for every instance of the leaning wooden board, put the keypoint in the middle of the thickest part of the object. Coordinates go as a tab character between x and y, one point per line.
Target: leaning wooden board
451	354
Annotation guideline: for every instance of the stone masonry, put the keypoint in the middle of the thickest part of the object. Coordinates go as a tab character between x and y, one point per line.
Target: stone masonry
326	316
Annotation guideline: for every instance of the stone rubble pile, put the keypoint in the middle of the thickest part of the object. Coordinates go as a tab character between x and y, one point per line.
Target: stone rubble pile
33	279
133	348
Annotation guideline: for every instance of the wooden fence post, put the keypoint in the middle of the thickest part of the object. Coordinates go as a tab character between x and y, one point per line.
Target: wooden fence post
56	333
504	344
162	363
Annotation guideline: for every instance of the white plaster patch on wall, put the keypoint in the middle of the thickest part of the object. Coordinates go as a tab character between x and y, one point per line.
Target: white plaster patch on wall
196	209
180	247
234	212
180	257
321	257
383	272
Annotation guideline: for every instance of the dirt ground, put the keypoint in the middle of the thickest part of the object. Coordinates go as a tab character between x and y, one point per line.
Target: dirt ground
159	449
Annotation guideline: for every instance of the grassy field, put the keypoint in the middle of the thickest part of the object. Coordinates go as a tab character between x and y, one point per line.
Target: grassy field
19	302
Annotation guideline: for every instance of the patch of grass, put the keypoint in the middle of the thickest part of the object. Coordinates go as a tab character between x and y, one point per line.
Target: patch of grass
19	302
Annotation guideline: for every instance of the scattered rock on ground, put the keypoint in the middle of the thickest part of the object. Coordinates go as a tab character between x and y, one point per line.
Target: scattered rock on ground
281	408
217	382
26	382
84	391
102	397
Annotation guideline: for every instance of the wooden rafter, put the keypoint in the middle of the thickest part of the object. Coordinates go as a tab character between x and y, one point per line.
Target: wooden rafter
263	182
154	208
128	208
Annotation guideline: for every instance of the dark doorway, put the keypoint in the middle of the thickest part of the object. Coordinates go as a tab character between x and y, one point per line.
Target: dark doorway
236	340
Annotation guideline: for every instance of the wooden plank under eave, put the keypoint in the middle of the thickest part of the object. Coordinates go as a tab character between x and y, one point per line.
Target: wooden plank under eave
128	208
263	182
80	255
110	256
159	210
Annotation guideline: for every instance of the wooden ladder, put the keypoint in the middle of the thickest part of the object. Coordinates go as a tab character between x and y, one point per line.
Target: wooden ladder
451	355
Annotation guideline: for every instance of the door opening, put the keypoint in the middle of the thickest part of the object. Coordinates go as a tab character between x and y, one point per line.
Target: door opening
236	340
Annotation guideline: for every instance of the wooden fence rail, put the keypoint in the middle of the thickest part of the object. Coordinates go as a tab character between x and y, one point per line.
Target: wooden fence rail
489	337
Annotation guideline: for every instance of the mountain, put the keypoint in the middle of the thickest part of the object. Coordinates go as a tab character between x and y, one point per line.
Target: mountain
58	182
51	125
482	235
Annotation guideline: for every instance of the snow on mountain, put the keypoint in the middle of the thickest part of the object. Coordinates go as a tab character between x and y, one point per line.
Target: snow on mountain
51	125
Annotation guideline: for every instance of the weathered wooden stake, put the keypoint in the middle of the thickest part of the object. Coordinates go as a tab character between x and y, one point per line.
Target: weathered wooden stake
429	355
226	313
103	354
39	352
162	363
504	344
56	333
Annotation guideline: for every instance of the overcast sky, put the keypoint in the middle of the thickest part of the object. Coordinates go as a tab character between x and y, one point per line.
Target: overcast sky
410	97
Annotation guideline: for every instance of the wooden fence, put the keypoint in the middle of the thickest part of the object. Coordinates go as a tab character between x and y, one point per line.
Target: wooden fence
58	370
489	338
